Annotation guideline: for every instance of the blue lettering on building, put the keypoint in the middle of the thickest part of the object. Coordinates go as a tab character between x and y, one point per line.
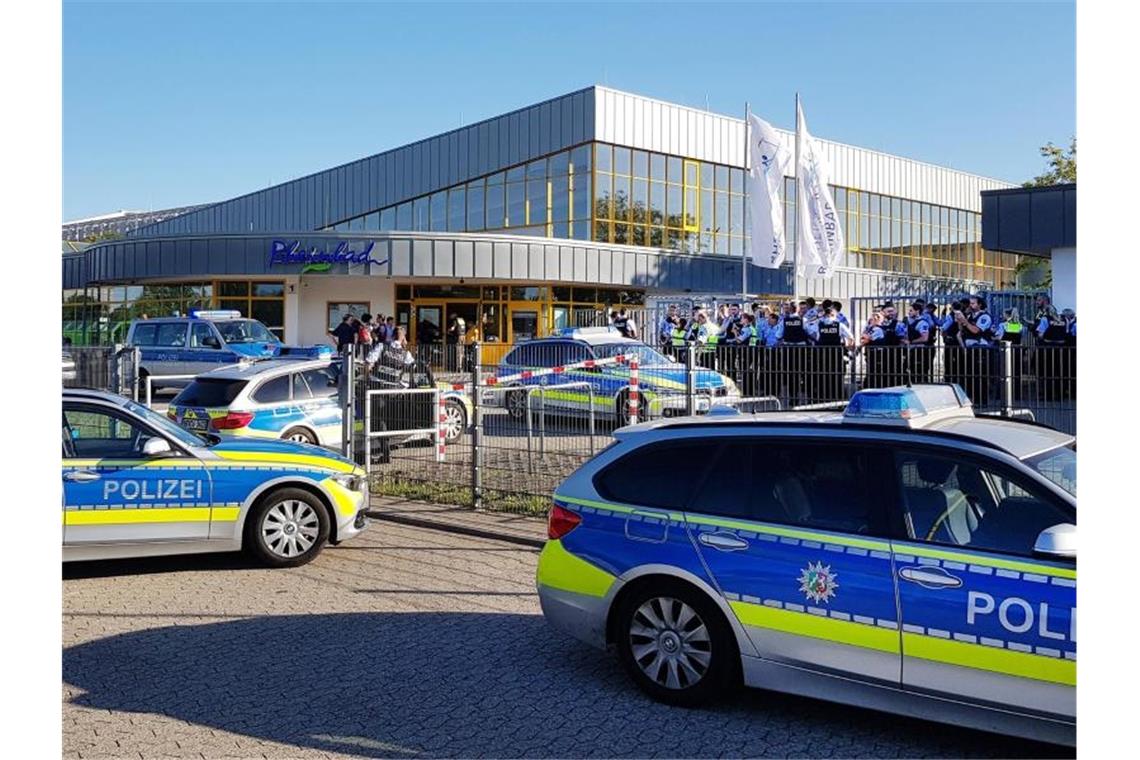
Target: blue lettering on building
282	253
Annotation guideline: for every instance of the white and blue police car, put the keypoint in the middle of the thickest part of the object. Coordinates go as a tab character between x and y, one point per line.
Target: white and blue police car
904	555
661	380
205	340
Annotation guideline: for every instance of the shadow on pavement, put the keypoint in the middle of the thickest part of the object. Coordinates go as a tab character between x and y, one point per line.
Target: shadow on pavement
108	568
447	684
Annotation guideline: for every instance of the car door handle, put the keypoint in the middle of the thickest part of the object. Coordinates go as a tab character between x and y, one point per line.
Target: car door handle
81	476
929	577
725	542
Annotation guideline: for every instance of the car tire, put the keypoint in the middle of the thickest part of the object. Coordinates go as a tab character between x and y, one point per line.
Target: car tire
287	527
621	408
299	435
143	375
516	404
676	645
455	420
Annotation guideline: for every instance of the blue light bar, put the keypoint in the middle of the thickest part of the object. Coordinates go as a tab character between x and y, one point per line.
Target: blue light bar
215	313
904	404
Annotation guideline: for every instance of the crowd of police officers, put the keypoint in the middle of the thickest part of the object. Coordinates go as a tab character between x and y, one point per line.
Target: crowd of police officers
802	351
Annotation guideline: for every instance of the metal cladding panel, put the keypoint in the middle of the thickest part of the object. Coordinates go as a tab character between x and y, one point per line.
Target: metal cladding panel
565	263
552	266
422	258
1030	220
606	262
501	260
464	259
592	273
1047	220
443	253
579	271
401	258
519	261
536	260
484	260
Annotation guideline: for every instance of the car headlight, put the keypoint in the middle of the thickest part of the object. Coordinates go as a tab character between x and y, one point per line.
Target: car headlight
351	482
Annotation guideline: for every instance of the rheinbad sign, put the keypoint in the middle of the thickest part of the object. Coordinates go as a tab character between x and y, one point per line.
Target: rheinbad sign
286	253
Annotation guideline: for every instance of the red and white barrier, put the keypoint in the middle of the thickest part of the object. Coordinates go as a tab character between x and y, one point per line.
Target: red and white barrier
441	439
528	374
633	390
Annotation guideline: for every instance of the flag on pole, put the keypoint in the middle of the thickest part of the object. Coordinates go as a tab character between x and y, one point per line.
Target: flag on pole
819	237
769	161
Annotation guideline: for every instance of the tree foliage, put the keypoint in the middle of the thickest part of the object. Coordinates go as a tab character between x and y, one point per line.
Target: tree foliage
1062	165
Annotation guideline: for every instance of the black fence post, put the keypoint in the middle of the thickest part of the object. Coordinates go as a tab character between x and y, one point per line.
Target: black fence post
690	380
347	405
477	429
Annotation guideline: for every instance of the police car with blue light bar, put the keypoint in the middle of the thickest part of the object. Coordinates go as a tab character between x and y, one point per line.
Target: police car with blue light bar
904	555
205	340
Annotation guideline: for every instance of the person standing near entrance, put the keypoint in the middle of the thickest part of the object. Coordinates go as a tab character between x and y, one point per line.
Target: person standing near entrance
344	334
977	336
919	356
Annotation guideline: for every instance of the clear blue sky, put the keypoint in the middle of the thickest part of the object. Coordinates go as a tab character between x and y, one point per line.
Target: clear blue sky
171	104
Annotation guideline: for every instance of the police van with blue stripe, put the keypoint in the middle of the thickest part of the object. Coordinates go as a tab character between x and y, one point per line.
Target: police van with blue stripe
205	340
136	484
904	555
661	380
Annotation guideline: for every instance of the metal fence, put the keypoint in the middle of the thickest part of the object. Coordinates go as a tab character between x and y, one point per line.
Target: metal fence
512	439
111	368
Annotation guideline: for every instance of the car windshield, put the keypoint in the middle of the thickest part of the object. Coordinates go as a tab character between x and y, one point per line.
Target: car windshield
646	356
244	331
1059	465
156	420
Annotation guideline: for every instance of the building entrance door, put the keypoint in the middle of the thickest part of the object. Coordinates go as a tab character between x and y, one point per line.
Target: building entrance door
525	322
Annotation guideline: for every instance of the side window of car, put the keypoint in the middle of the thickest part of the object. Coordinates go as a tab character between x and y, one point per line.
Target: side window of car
322	382
144	335
98	434
803	484
202	336
301	390
950	500
572	353
273	391
659	475
171	335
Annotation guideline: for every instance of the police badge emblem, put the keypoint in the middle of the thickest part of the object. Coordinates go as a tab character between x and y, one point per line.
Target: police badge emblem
817	582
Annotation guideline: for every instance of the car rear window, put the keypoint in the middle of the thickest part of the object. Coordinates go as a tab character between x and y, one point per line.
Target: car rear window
660	475
212	392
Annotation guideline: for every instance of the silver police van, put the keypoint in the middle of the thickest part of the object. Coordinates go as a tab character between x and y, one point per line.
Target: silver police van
203	341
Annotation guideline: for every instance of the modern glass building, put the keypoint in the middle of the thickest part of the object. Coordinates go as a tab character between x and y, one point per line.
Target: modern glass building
588	200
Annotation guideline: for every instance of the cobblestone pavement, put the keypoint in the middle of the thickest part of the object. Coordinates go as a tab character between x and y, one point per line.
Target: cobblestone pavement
405	642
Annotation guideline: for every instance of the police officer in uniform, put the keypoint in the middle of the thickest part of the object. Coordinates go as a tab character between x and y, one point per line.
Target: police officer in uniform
832	340
892	358
1052	334
794	350
952	359
977	336
874	342
919	356
770	332
744	344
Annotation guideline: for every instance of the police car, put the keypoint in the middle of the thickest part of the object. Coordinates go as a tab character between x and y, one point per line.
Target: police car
661	380
904	555
297	400
203	341
135	484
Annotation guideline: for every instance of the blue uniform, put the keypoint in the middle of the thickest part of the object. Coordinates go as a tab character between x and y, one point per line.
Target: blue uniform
770	335
984	322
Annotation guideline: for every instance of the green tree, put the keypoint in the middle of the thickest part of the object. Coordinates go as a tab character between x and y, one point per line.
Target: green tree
103	236
1062	165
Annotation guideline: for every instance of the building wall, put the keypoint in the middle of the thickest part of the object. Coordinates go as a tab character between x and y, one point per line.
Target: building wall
315	292
1065	278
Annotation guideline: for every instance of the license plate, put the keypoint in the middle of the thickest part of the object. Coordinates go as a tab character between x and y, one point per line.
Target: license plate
195	424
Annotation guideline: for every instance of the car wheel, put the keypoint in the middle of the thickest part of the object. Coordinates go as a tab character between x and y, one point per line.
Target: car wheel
299	435
621	410
287	528
143	375
454	420
676	645
516	404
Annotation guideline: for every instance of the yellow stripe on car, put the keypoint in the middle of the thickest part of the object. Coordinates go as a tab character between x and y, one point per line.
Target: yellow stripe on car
1004	661
134	516
817	627
305	459
347	502
558	568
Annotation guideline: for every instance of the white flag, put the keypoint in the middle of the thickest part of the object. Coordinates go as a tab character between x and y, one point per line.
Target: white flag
769	161
819	237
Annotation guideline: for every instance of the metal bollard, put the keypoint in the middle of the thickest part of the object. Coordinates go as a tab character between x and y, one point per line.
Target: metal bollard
1006	363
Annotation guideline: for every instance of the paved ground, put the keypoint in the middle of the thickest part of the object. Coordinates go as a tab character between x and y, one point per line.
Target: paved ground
406	642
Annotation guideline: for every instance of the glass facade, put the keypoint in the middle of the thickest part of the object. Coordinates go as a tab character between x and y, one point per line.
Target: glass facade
102	315
614	194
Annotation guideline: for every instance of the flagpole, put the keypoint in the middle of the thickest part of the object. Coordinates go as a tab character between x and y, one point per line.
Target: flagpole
796	216
744	229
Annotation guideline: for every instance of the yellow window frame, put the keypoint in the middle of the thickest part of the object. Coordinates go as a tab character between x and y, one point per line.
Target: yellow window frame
695	190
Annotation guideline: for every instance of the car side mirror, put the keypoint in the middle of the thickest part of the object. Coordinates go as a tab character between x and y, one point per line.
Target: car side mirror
156	447
1059	542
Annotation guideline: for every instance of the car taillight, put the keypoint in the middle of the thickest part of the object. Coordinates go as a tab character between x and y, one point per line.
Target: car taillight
231	421
561	521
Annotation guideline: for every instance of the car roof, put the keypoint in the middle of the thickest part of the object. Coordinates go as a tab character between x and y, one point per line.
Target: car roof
1015	437
90	394
590	340
251	370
